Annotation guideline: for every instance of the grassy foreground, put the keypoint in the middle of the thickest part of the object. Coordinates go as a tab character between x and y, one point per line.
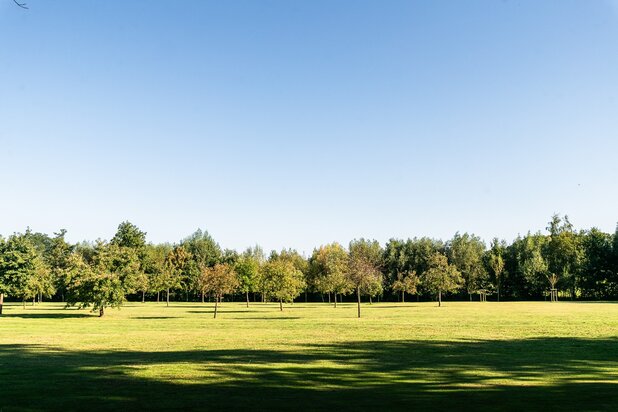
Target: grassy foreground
478	356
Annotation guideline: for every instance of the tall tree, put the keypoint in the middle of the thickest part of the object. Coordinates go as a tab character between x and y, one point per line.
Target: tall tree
495	261
563	253
466	253
364	268
202	251
174	267
601	280
130	236
248	270
283	281
329	265
57	258
441	276
18	265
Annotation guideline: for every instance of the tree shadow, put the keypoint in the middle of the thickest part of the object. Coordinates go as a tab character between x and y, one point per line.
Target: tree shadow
46	315
531	374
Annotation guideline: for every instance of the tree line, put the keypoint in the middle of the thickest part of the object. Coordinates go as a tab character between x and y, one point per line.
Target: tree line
561	263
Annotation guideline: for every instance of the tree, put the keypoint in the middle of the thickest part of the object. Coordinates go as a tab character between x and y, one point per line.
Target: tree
406	282
174	265
129	235
364	268
219	280
155	269
562	252
329	265
601	281
441	276
495	261
202	251
533	264
57	258
466	253
283	281
41	283
18	265
104	279
248	270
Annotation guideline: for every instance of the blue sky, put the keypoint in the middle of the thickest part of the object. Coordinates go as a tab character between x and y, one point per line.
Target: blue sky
294	124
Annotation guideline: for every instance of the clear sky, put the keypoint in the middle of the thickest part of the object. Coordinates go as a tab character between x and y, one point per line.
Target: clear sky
294	124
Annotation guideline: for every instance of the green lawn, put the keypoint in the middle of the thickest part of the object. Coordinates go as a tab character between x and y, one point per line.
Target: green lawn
465	355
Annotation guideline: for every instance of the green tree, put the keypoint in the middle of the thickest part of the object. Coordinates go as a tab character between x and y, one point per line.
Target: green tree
103	279
441	276
601	281
466	253
406	282
154	267
248	270
202	251
283	281
364	268
329	265
130	236
57	259
174	266
18	265
495	261
563	253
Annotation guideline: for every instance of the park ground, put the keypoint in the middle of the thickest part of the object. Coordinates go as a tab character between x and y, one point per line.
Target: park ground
464	355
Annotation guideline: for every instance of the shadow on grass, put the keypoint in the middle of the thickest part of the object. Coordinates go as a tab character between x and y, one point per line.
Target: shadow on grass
47	315
531	374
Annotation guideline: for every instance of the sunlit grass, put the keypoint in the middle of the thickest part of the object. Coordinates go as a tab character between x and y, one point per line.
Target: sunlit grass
149	356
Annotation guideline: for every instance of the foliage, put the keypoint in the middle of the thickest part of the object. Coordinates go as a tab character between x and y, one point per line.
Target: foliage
328	266
283	281
441	276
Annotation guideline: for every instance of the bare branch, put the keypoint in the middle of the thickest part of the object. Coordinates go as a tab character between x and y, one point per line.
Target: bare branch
22	5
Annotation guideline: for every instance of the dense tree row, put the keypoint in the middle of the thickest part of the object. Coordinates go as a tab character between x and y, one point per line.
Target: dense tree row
561	263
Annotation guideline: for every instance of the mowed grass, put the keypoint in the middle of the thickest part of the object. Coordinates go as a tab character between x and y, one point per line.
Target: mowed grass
464	355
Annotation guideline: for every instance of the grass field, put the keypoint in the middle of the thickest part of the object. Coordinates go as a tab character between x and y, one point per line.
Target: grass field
475	356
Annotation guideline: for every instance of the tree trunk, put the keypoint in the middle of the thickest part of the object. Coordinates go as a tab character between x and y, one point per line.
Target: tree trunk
358	299
33	300
335	300
158	296
101	311
202	296
305	296
168	296
216	306
23	301
143	296
370	300
1	302
470	296
403	296
247	294
439	298
328	297
281	305
498	291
